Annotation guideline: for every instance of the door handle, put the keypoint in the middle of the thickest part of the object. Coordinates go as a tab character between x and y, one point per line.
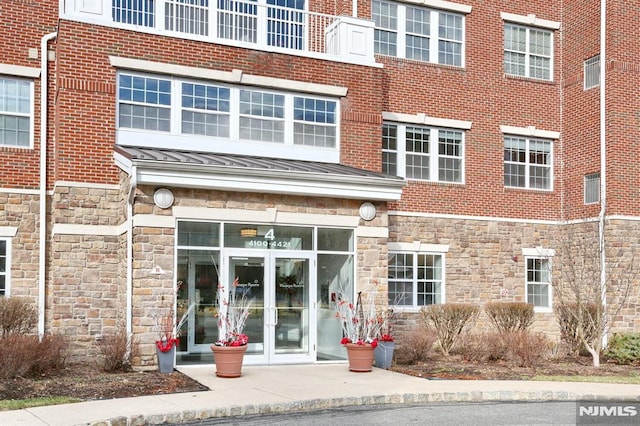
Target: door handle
275	316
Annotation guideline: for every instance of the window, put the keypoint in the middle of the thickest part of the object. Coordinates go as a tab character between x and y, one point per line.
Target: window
187	16
16	112
4	272
527	52
221	113
135	12
426	153
418	33
538	285
527	163
592	72
415	279
592	188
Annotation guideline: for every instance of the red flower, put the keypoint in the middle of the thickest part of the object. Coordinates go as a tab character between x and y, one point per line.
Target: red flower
166	345
387	338
345	340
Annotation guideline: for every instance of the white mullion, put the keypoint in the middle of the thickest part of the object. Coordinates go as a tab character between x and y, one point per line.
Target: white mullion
212	10
527	162
401	31
288	120
434	23
401	149
176	107
434	175
261	23
234	113
415	279
527	56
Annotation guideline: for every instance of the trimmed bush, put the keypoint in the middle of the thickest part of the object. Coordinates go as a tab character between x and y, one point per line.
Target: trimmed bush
568	322
27	356
624	348
510	316
117	351
449	321
415	346
520	348
17	316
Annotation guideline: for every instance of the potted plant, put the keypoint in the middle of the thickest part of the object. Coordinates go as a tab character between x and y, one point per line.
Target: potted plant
232	314
168	332
383	353
360	327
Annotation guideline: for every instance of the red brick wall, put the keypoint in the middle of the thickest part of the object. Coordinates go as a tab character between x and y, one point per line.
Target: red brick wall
22	25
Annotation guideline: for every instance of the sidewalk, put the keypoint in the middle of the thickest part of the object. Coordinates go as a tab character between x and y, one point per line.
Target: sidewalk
278	389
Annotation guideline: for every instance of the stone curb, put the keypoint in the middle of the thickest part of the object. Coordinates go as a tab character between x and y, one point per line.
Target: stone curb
324	404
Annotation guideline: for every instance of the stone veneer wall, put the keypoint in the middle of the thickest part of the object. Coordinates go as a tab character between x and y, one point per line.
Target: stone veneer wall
22	210
155	247
486	256
86	285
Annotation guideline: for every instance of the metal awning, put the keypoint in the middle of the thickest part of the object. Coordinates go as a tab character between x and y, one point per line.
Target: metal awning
188	169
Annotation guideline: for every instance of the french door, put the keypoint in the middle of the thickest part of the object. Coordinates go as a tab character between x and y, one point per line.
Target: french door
281	286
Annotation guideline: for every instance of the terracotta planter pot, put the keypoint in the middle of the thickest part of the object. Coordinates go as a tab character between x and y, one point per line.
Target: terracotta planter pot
228	360
360	357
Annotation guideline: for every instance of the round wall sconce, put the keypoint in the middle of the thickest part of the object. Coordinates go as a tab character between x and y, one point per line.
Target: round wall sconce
163	198
367	211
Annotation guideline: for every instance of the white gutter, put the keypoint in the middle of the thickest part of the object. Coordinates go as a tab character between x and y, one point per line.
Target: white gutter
603	155
133	183
44	82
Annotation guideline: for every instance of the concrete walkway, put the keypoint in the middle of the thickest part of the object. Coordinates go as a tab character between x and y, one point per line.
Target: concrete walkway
279	389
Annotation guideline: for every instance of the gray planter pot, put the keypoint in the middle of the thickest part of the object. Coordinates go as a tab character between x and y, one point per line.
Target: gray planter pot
383	354
166	360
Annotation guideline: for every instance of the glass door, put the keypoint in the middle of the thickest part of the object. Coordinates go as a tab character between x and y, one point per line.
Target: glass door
279	286
292	335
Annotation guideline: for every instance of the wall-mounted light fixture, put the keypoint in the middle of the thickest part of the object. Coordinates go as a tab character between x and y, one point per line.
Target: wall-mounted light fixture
163	198
367	211
248	232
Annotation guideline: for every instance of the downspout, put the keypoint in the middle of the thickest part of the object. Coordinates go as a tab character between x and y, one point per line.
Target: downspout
133	183
603	157
42	249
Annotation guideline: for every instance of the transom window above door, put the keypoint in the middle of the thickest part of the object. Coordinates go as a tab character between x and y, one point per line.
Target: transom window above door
167	112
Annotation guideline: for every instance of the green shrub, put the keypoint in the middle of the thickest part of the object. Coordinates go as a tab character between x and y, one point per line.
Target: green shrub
568	322
17	316
449	321
510	316
624	348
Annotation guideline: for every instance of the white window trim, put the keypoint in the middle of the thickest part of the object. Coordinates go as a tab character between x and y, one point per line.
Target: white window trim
530	132
417	248
530	20
539	253
441	4
175	139
234	77
426	120
26	74
7	273
435	8
527	165
401	152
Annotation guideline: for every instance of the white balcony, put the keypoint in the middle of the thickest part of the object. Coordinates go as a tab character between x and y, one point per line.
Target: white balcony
250	24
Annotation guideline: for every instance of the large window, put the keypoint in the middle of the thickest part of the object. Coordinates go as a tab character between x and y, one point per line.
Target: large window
528	51
538	286
210	113
16	112
527	163
415	279
425	153
4	267
418	33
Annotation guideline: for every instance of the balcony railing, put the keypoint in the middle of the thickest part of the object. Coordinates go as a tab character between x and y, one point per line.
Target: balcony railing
254	24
